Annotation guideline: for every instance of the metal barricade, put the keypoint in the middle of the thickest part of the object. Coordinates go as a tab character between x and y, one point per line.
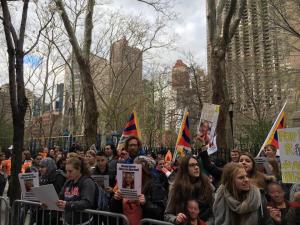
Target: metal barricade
5	211
147	221
30	213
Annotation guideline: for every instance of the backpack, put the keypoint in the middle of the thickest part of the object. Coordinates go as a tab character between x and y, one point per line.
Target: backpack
101	198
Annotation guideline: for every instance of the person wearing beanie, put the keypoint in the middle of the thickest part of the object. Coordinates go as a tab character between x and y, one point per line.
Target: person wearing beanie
49	174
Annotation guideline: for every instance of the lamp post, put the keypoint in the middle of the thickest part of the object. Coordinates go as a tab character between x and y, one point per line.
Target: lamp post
230	110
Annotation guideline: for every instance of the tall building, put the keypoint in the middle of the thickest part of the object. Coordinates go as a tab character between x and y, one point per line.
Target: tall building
5	107
189	88
261	64
59	97
121	73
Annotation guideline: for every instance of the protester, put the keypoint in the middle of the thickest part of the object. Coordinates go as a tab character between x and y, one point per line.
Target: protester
257	178
110	154
27	160
3	177
102	168
72	155
234	155
189	183
238	201
52	153
293	215
270	151
276	194
91	158
163	173
78	193
150	204
124	157
191	216
50	175
133	146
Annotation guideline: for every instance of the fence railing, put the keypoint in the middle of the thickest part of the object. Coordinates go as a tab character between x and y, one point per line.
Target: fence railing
29	213
25	212
147	221
5	211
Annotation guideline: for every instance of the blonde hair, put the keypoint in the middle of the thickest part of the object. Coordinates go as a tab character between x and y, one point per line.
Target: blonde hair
230	172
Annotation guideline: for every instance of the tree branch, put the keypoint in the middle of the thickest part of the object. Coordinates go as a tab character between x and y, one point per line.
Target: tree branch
235	23
211	19
69	29
23	24
39	34
88	27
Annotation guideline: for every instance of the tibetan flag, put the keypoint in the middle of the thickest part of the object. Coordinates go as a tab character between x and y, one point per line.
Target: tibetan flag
131	128
272	137
168	156
183	144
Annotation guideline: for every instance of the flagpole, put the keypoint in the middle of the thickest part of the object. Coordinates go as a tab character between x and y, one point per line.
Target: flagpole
270	132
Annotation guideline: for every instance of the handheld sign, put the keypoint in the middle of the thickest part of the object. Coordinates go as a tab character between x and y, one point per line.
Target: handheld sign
129	178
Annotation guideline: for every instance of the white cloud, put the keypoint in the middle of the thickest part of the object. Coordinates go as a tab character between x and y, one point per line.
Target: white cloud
189	27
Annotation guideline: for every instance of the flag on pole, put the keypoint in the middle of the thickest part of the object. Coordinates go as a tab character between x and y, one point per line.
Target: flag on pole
132	127
183	144
272	137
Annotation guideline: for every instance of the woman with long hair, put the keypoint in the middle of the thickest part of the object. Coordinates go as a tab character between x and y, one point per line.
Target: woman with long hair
257	178
78	193
189	183
238	201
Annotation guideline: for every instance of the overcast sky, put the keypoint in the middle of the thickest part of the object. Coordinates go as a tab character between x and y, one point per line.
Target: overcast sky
189	27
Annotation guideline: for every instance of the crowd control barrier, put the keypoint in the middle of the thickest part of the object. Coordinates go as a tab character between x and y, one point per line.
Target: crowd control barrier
153	222
5	211
31	213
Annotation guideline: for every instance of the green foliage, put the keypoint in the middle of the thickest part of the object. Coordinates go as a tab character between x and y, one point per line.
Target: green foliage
6	134
253	135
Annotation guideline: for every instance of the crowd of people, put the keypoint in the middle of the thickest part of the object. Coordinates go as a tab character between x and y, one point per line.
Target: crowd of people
192	190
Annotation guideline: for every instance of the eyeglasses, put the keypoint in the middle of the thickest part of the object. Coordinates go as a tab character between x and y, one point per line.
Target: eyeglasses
193	165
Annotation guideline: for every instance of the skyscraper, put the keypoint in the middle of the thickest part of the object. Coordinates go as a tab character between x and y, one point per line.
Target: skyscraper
260	63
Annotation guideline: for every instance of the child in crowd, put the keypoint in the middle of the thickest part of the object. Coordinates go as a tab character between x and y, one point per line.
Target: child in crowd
191	216
192	213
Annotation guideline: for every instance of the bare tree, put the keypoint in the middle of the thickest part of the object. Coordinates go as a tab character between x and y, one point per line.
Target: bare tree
15	48
285	15
82	56
223	19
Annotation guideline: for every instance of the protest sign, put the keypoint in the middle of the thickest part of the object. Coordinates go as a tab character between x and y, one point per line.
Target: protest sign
101	180
47	195
289	147
129	178
207	126
27	182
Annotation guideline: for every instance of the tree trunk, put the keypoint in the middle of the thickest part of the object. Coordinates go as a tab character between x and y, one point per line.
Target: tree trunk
90	105
18	115
220	92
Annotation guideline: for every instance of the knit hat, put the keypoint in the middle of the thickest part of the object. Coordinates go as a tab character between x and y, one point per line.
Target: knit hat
49	163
